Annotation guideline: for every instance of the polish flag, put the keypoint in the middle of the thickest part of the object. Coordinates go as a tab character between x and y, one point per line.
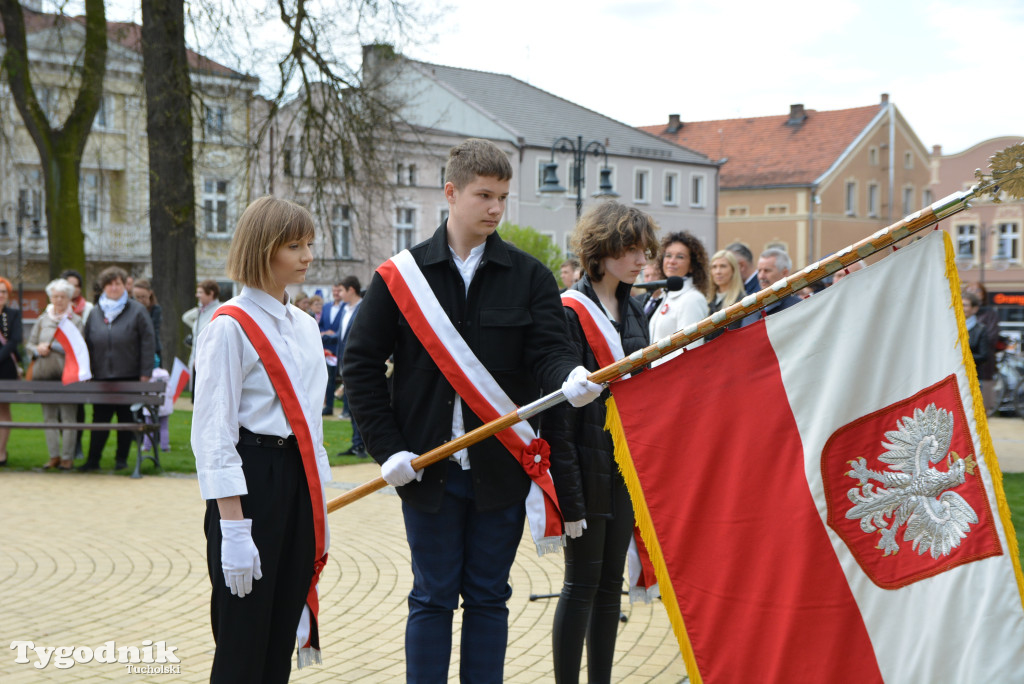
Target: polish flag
179	378
76	353
819	492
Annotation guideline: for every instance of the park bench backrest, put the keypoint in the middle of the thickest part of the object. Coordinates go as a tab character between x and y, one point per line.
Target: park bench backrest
91	392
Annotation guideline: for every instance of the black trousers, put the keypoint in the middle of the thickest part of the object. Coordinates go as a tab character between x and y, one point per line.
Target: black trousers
102	413
591	596
255	635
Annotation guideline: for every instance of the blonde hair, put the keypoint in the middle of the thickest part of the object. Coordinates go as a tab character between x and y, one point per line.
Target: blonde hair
264	226
734	290
610	229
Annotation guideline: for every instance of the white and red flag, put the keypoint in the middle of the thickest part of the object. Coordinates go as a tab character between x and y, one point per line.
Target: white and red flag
76	353
178	380
819	493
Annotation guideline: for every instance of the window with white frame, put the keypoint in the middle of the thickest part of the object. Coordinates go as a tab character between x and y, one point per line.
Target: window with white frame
443	216
213	122
698	181
30	196
776	209
642	186
568	245
908	160
540	172
851	198
966	241
215	206
89	204
410	175
1008	233
873	200
926	198
341	230
738	211
908	200
873	156
105	114
443	169
405	228
400	174
671	196
47	98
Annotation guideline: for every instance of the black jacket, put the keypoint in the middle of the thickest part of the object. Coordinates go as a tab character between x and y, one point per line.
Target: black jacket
512	320
582	457
124	348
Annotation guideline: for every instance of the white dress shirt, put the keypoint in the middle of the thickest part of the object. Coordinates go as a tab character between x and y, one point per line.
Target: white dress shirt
467	269
233	389
677	310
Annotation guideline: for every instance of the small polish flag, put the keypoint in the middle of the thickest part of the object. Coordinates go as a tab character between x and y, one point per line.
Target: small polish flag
179	378
76	353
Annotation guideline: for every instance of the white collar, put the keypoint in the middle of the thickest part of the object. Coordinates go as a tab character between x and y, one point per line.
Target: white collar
266	301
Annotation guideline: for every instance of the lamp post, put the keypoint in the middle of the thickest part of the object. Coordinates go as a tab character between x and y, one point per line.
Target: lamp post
550	185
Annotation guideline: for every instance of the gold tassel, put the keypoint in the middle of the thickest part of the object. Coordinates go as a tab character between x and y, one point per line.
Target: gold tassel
613	424
980	417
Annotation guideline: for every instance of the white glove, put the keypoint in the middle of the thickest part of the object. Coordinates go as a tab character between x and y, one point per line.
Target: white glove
239	556
574	530
398	470
578	390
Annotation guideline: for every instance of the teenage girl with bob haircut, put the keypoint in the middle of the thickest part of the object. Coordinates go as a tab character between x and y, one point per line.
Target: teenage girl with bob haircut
613	243
258	439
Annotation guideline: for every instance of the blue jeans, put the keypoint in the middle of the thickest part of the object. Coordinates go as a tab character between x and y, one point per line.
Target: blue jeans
460	551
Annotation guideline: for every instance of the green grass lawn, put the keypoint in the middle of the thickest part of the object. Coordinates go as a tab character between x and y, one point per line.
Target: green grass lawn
27	448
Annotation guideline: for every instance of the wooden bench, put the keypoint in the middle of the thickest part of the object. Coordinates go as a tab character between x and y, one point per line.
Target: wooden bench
138	395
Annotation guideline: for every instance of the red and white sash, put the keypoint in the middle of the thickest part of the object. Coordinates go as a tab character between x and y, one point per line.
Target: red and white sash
478	389
605	342
308	631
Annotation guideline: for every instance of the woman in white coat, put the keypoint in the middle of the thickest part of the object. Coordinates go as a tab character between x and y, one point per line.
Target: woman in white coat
682	255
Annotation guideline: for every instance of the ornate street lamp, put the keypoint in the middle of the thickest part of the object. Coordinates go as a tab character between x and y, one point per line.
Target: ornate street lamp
550	185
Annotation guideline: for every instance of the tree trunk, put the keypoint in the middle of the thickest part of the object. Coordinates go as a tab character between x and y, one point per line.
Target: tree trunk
171	189
60	150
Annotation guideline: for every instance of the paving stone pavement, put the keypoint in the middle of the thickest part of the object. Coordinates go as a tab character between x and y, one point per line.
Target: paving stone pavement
91	558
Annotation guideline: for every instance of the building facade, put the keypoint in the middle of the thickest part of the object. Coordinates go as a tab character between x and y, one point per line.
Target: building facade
114	175
987	235
810	182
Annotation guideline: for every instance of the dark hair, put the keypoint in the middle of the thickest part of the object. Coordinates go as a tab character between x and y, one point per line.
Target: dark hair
742	251
698	259
974	299
609	229
210	287
110	274
73	273
476	157
571	262
350	283
144	284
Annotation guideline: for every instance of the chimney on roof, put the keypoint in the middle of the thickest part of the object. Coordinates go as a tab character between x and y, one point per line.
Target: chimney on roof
936	150
796	115
885	98
674	124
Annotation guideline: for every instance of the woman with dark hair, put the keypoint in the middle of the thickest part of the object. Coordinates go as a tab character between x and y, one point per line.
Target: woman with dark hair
119	334
613	243
10	340
682	255
142	292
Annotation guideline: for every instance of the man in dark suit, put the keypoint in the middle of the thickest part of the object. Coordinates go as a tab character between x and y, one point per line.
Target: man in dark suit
774	265
352	296
330	325
745	259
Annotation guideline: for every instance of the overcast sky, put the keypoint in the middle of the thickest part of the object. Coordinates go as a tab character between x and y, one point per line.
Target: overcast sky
955	71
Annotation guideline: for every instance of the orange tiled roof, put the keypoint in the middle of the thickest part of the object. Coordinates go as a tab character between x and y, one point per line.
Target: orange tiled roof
765	151
126	34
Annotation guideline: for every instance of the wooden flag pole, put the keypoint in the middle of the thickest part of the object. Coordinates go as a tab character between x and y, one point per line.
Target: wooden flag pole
1007	176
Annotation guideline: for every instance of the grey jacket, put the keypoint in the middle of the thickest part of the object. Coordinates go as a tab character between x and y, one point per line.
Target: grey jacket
124	348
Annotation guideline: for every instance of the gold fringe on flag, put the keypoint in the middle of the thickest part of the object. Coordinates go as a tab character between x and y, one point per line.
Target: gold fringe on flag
988	451
613	424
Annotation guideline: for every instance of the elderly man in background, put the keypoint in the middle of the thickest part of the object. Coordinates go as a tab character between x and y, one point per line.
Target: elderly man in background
196	318
773	265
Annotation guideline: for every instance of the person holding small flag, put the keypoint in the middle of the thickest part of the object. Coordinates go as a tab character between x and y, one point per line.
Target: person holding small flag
48	366
613	242
257	434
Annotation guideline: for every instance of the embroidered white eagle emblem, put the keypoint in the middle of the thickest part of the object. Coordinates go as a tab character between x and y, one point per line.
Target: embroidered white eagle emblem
912	492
